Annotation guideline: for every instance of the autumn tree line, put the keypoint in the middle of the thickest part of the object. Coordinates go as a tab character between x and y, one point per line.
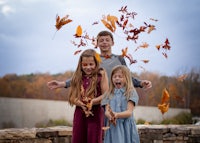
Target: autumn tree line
184	90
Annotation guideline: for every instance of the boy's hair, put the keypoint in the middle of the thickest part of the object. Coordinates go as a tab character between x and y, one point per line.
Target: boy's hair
104	33
76	82
129	84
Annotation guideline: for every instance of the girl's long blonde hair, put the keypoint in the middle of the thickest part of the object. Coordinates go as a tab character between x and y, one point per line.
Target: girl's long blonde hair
76	82
129	84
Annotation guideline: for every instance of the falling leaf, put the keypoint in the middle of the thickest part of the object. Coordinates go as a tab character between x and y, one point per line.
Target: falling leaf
164	54
123	9
74	43
124	24
79	31
151	28
129	56
62	21
166	45
142	28
94	23
98	58
109	22
124	52
112	20
77	52
182	77
132	61
144	45
164	105
107	25
154	19
145	61
158	47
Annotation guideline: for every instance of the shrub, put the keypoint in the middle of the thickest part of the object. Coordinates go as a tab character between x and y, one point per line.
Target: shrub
181	118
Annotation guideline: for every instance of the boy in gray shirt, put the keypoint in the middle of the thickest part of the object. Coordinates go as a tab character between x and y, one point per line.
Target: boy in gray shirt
109	60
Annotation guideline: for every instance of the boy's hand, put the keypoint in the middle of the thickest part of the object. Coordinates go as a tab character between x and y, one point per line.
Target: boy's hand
146	84
54	84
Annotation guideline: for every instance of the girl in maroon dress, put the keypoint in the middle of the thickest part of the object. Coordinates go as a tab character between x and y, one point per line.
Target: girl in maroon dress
87	86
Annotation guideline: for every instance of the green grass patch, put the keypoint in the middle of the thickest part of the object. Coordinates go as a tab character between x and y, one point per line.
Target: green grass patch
51	123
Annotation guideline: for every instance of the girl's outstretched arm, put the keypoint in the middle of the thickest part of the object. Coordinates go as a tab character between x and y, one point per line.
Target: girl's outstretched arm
127	113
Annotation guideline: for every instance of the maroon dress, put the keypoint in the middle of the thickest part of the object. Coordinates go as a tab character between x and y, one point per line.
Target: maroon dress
88	129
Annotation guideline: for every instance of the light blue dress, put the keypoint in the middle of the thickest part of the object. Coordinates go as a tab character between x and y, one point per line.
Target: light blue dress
125	131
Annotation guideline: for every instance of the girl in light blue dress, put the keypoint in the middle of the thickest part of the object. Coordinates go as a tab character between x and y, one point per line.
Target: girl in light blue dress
119	104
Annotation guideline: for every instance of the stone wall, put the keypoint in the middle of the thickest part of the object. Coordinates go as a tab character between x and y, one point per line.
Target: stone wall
62	134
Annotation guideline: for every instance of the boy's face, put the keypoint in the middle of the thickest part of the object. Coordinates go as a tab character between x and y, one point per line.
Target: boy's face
105	43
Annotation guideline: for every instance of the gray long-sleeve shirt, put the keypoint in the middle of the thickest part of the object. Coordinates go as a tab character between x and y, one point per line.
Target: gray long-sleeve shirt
108	64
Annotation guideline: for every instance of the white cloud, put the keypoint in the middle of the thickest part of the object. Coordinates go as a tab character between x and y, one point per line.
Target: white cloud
2	2
6	10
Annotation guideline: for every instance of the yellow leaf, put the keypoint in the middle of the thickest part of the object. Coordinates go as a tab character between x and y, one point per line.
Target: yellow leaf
98	58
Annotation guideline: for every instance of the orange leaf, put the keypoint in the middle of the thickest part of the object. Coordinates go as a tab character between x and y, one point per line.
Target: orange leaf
151	28
112	20
165	96
158	47
107	25
109	21
145	61
144	45
79	31
163	107
124	52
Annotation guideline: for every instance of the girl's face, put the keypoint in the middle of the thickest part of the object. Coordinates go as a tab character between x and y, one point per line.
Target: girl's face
88	65
105	43
118	79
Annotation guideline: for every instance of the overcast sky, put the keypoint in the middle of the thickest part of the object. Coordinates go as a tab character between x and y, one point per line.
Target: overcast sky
27	28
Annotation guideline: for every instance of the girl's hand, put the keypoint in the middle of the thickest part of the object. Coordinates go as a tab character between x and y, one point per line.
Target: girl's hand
90	104
107	114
